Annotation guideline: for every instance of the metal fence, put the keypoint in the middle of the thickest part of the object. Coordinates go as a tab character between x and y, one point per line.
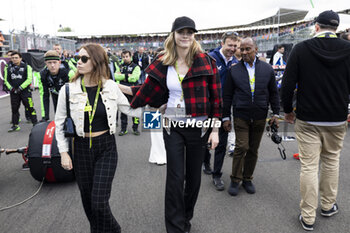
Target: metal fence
264	43
292	38
23	42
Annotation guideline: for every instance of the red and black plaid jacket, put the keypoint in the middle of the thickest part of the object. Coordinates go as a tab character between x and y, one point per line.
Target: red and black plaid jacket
201	87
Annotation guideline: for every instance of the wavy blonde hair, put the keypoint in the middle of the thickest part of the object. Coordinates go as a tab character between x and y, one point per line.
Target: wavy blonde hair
170	56
99	60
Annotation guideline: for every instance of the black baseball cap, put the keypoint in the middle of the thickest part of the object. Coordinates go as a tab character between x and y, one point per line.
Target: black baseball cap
330	18
183	22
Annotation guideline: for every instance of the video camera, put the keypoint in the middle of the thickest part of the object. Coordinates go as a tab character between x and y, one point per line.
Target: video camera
273	128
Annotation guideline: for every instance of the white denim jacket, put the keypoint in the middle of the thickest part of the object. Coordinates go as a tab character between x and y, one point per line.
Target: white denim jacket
112	98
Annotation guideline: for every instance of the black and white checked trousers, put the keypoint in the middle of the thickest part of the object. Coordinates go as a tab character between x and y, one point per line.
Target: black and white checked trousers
94	171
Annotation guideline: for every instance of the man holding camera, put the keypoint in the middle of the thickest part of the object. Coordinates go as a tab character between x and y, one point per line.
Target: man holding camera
250	87
320	68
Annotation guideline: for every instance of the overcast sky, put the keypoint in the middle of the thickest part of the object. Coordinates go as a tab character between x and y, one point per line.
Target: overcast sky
100	17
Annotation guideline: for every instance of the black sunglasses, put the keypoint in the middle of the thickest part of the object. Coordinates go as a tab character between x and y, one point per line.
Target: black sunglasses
84	59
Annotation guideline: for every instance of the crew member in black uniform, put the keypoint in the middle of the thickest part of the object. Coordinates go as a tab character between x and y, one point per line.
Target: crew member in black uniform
18	77
52	78
26	111
129	75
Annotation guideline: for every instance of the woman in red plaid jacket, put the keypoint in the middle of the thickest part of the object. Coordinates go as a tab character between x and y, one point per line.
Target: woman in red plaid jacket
188	82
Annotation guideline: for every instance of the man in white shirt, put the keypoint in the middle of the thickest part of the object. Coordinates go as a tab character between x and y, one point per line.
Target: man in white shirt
278	57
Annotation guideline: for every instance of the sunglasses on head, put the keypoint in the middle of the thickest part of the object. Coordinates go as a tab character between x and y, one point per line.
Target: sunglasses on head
84	58
231	33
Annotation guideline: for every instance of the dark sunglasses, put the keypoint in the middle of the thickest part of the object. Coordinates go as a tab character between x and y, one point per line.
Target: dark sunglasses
84	59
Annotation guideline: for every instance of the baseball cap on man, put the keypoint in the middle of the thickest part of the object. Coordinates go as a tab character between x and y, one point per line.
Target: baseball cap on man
51	55
330	18
183	22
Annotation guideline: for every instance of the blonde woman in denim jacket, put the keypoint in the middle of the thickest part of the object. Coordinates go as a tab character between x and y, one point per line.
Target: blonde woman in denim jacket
94	100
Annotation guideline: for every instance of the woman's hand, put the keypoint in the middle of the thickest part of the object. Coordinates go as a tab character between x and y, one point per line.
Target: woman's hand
162	108
213	139
66	161
125	89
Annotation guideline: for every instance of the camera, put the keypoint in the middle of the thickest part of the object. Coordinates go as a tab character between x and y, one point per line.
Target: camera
208	145
274	132
276	138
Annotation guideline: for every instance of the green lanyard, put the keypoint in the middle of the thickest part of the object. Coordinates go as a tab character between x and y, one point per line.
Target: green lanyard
88	107
252	85
180	80
327	35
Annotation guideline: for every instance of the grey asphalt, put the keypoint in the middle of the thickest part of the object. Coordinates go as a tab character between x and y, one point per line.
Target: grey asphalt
137	198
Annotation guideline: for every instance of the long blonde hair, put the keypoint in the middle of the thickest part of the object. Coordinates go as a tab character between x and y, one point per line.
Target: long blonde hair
170	55
99	60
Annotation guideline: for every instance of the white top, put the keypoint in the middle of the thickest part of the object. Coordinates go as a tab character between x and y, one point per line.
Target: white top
176	105
112	98
278	59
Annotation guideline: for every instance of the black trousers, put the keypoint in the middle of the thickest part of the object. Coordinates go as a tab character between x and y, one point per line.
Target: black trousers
54	101
124	121
94	170
185	149
219	155
220	152
25	96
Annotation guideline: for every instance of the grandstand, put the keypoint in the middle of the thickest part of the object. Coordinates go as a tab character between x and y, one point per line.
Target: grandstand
285	26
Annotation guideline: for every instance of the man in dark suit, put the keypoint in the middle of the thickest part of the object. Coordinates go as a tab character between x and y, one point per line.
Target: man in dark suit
250	87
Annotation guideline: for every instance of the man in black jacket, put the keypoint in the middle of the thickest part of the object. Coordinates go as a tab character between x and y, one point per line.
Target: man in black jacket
321	68
129	75
18	77
142	59
250	87
52	78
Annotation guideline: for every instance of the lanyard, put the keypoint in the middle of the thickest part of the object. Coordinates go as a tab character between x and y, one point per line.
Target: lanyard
327	35
88	107
180	80
252	84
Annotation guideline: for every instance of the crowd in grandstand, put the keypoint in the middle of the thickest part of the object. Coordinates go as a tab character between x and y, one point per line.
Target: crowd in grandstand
205	37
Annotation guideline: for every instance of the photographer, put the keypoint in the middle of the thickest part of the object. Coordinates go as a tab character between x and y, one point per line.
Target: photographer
250	111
